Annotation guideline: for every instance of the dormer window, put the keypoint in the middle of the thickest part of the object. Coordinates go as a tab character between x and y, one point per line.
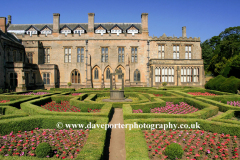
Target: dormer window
78	30
31	30
132	29
100	29
116	29
66	30
46	30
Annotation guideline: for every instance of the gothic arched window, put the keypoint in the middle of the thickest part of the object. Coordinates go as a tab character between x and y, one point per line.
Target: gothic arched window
95	73
120	71
75	76
136	75
108	73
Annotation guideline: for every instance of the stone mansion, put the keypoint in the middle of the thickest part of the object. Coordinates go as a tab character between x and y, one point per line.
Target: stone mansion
52	55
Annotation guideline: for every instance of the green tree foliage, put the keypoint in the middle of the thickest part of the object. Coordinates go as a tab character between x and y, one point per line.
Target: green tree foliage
221	53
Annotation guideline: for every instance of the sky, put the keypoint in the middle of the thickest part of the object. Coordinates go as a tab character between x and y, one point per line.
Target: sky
202	18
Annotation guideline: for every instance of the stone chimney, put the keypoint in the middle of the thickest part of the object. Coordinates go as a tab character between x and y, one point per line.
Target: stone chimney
56	22
184	34
91	22
9	19
3	24
144	18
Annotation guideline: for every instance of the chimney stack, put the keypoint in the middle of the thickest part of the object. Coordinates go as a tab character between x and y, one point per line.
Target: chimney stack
3	24
91	22
144	18
184	34
56	22
9	19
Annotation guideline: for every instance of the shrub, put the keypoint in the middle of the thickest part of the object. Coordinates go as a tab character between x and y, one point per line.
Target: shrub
1	91
58	100
35	91
164	84
43	150
174	151
69	84
224	101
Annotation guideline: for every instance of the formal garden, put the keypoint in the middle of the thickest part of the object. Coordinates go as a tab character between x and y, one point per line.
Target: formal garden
29	123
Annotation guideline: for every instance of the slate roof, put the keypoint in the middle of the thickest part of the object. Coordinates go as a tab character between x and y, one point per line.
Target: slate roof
9	36
108	26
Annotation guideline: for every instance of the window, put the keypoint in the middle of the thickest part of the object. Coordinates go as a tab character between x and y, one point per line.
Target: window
161	51
196	75
30	57
96	73
134	54
67	55
20	56
188	54
46	55
75	76
189	74
108	73
31	32
157	74
164	74
120	71
13	79
14	55
121	54
80	54
175	52
46	78
104	54
136	75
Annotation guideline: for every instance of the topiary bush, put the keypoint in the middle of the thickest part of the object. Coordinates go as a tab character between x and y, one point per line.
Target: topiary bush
174	151
43	150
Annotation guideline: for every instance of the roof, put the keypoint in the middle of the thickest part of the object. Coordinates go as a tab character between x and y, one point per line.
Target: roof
10	37
108	26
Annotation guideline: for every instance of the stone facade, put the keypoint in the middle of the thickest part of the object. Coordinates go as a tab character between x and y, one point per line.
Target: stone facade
86	53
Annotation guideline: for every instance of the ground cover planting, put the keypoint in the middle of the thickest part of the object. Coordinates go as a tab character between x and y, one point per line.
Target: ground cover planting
234	103
202	94
64	143
4	101
171	108
64	106
197	144
76	94
37	93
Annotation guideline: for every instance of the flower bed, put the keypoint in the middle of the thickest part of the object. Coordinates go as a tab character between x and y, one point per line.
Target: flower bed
38	93
64	106
202	94
158	95
234	103
76	94
4	101
195	143
64	143
170	108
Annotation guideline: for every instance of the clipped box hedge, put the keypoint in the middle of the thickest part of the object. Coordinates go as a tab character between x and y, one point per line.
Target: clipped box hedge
226	117
216	101
11	112
18	100
135	143
185	92
207	110
92	150
33	107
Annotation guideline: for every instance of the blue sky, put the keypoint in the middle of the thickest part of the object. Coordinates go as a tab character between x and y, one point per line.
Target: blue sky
202	18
